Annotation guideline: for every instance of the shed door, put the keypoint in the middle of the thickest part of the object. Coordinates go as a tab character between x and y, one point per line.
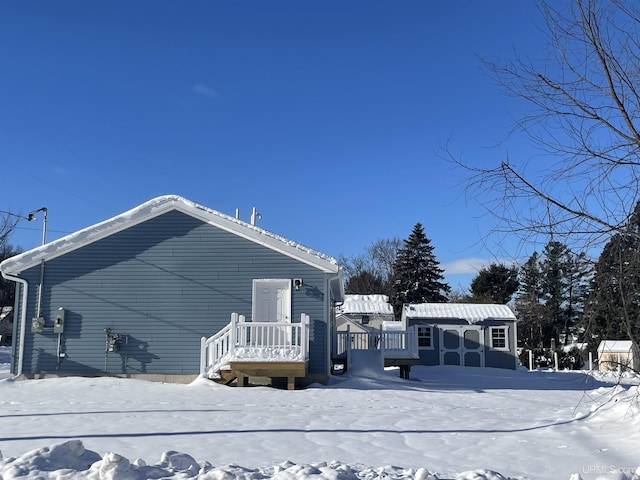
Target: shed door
271	300
473	347
450	346
462	345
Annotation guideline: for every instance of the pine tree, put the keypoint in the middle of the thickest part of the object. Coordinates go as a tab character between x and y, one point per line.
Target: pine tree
495	284
555	269
580	275
550	302
614	303
529	304
418	277
364	283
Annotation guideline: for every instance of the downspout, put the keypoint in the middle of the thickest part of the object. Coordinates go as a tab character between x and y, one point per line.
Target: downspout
23	317
515	343
332	304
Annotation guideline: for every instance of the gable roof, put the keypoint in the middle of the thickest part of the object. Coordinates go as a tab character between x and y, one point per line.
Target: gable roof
154	208
471	312
367	304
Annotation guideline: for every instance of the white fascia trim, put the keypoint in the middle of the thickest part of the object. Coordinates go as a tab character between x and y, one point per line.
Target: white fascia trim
158	206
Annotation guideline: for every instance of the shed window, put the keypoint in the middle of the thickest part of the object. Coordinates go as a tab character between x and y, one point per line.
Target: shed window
425	335
499	338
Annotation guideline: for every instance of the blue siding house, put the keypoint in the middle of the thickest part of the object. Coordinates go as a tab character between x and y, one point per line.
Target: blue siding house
466	334
136	295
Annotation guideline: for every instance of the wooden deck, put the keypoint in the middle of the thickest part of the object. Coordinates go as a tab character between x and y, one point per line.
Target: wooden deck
243	370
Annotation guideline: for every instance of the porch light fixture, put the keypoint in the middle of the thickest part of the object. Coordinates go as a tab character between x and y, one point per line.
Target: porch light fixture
297	283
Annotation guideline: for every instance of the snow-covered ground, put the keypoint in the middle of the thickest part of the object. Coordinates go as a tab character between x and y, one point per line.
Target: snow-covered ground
445	423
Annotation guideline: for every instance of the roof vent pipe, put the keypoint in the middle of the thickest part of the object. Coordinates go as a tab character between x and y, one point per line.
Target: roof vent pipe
255	215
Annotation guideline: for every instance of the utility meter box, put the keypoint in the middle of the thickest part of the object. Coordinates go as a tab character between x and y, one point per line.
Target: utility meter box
37	324
58	323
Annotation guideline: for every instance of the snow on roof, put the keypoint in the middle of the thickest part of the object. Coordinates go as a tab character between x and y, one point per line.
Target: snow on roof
368	304
615	346
471	312
154	208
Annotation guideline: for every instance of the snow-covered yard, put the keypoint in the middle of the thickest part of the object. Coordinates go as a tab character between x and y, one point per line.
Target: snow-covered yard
450	423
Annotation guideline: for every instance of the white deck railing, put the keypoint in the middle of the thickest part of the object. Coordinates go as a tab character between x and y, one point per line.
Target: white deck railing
400	343
391	343
254	341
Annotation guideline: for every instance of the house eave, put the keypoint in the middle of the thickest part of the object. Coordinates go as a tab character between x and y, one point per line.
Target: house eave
158	206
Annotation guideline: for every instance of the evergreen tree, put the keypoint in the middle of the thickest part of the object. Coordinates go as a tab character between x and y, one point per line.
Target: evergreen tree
365	283
580	274
555	286
614	303
551	299
418	277
495	284
529	303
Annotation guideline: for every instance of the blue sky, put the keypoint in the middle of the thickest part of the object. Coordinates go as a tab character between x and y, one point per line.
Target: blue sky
328	116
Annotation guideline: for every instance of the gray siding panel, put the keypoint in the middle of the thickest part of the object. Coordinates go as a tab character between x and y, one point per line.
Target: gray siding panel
164	284
500	358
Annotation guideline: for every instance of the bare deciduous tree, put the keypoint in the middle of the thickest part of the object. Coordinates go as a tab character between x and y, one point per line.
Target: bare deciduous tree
8	222
377	261
584	121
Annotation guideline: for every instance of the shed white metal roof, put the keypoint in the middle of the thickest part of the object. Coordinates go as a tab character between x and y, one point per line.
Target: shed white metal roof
471	312
623	346
154	208
366	304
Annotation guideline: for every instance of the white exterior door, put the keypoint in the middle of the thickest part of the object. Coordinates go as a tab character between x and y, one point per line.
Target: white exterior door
271	300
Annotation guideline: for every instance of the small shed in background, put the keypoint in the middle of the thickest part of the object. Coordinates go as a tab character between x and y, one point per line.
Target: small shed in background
364	312
616	355
465	334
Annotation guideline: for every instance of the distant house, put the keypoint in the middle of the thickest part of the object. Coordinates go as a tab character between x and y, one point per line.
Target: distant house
364	312
616	355
6	326
138	294
478	335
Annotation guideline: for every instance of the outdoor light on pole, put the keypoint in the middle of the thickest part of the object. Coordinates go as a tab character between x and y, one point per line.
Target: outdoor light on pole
32	216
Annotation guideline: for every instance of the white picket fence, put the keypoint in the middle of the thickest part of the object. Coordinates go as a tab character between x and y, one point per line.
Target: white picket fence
254	341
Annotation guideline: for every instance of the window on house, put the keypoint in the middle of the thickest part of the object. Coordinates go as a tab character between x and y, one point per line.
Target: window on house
365	320
499	338
425	334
